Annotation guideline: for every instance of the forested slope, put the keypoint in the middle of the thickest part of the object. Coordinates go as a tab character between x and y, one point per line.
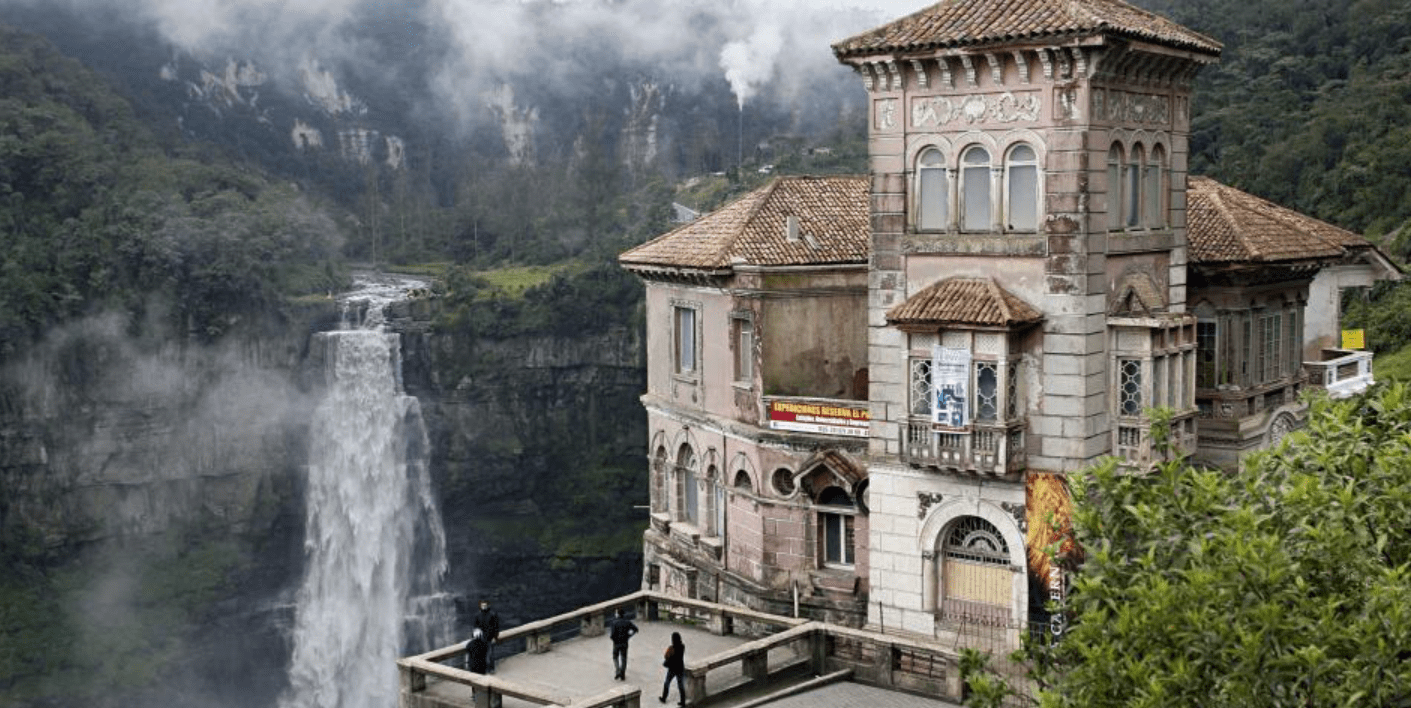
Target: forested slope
95	215
1308	105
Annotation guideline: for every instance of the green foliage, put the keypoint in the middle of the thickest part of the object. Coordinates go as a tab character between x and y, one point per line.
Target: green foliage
1385	314
1288	583
87	631
1307	106
95	216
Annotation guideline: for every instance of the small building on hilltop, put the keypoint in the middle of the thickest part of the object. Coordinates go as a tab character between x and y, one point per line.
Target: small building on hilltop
865	393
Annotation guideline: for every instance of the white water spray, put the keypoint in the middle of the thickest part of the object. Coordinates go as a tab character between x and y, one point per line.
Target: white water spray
374	545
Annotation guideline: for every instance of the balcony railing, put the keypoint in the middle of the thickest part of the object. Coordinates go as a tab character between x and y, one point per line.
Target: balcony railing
996	451
1133	443
1342	372
779	644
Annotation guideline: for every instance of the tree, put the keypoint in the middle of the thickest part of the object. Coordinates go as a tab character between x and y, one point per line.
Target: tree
1285	584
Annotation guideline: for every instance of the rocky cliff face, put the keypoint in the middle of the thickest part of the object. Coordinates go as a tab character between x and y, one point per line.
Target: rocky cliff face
538	455
153	509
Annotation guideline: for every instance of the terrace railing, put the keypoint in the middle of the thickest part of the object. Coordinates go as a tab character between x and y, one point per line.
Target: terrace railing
779	645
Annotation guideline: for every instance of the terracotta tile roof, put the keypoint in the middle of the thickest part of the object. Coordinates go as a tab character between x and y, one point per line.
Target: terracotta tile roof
966	301
834	227
1225	225
965	23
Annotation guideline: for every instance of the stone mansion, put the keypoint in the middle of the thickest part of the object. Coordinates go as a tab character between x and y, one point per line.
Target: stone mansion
864	393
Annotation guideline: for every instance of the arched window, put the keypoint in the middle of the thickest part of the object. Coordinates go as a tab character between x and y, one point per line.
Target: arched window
1022	188
659	498
1132	189
742	481
1114	187
835	520
975	185
716	502
1155	188
932	192
686	494
976	580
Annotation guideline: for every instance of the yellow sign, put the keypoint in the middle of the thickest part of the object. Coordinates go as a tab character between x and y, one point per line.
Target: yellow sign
1354	339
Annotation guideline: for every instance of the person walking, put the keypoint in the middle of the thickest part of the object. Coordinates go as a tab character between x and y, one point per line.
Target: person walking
620	629
488	622
675	664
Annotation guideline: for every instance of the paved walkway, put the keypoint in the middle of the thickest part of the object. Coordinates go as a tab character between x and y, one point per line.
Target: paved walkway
582	667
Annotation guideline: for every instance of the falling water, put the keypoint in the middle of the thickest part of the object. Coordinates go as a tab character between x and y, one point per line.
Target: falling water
374	546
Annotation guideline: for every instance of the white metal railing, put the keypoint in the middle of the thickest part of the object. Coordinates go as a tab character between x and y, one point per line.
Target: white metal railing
1342	372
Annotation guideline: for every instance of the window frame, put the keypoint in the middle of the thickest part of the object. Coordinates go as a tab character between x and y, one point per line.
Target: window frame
924	196
977	173
1010	164
685	354
1154	187
1132	188
743	336
1115	160
842	515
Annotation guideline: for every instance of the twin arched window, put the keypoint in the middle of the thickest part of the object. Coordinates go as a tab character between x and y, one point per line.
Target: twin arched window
977	186
1136	188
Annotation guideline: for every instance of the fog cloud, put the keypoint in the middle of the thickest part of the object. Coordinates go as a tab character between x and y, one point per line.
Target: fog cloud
467	47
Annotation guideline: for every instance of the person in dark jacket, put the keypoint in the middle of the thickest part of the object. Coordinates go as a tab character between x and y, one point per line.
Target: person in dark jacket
675	664
477	653
620	629
488	622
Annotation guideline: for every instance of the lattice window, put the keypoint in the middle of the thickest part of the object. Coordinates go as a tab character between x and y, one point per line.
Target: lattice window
986	391
989	343
1129	387
1270	340
921	387
1207	359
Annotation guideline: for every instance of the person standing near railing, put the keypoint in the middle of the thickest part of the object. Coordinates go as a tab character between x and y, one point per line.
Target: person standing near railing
675	663
620	629
488	623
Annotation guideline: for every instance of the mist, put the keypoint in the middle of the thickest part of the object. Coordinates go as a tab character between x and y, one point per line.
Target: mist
449	56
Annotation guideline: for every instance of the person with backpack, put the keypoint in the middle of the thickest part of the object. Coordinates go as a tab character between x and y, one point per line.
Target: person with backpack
620	629
675	662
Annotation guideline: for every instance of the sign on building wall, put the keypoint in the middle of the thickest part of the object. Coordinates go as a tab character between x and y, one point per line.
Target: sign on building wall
950	378
822	418
1049	542
1354	339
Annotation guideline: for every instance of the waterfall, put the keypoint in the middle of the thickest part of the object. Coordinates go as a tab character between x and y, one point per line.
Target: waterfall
374	545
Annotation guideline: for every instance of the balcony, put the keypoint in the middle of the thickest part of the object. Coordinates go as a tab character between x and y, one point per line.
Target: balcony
989	450
736	655
1341	372
1134	443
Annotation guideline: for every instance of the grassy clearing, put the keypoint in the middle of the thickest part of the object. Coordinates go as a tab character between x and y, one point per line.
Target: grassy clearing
1393	366
514	280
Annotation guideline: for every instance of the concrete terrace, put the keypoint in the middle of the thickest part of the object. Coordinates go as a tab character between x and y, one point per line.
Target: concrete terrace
734	658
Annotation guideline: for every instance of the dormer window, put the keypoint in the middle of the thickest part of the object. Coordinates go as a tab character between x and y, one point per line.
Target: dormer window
932	192
975	187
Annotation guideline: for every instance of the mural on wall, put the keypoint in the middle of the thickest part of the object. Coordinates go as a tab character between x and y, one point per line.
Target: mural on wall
1049	543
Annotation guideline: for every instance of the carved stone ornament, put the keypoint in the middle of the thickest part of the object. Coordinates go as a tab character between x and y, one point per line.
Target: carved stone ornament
1004	107
887	114
1124	107
926	500
1020	515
